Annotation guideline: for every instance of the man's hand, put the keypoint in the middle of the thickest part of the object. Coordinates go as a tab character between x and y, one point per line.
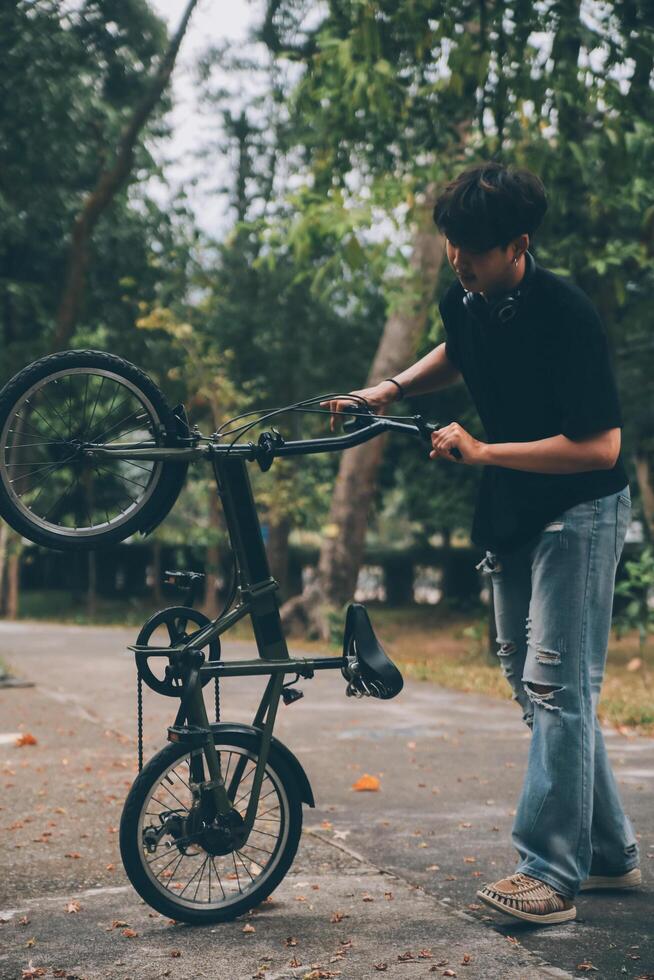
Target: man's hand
377	398
471	449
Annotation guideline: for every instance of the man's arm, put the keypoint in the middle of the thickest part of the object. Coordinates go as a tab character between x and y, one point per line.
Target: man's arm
431	372
556	454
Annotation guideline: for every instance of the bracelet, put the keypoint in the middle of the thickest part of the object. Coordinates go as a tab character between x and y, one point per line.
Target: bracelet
400	388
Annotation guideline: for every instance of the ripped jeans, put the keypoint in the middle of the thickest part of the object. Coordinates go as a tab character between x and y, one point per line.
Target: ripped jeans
553	601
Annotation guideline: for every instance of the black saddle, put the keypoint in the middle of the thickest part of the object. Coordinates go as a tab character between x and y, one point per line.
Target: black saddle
368	670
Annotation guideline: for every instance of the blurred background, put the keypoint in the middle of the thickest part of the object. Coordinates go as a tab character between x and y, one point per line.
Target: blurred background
238	199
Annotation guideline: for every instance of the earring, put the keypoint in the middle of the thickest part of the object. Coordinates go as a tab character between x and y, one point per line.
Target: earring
516	259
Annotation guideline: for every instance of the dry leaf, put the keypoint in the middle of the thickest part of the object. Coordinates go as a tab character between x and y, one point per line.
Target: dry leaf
118	924
466	959
175	953
366	782
27	739
73	906
380	966
586	966
635	663
367	898
338	916
33	971
290	941
425	954
129	933
449	973
248	928
403	957
470	860
73	854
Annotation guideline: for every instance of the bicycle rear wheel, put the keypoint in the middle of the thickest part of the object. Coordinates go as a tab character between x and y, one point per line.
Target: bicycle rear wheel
51	490
189	870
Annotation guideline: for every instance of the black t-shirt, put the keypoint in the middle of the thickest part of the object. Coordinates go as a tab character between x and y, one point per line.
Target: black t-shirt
545	372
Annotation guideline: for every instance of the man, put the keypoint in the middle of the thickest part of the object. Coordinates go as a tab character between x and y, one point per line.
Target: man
552	514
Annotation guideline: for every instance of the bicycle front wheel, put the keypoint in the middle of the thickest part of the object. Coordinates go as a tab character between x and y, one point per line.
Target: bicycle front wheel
51	490
189	871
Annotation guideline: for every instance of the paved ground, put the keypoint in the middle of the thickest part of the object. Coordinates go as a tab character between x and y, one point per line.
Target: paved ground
396	869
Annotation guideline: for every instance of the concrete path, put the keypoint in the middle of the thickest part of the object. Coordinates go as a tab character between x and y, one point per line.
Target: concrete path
383	883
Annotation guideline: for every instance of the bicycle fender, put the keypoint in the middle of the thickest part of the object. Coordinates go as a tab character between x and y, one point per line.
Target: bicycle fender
281	750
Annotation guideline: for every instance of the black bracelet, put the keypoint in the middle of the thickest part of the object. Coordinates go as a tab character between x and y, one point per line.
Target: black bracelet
401	389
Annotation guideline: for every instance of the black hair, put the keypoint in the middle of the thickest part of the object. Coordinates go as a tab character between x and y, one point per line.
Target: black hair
490	205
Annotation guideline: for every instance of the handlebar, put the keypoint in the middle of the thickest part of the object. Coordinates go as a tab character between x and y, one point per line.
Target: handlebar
364	426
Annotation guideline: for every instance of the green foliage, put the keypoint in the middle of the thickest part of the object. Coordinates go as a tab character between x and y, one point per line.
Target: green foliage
638	588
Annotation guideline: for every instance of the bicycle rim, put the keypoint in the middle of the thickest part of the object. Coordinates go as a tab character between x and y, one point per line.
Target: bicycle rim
198	880
42	465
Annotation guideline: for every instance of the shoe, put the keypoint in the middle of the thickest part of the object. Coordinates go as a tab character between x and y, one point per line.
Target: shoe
524	897
630	879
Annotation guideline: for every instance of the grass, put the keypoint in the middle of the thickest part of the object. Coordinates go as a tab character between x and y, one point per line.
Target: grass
428	643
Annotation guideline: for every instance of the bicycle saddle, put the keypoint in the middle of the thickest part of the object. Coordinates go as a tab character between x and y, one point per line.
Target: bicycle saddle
368	670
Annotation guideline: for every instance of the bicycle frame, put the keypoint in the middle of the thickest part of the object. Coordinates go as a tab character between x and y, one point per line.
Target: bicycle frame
256	590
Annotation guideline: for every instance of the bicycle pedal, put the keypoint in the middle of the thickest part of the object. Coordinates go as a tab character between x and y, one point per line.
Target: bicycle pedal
191	735
291	694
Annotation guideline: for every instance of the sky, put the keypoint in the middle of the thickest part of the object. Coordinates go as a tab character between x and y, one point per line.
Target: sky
212	21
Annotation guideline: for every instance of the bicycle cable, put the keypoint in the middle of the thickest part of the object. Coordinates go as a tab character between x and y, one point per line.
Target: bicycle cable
302	406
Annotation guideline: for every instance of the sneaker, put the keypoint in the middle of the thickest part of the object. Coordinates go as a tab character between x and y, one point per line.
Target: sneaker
630	879
524	897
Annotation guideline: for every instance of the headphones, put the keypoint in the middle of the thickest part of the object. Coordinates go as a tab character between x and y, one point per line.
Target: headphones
506	307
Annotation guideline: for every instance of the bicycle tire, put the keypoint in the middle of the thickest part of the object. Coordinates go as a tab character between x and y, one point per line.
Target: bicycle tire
132	850
165	479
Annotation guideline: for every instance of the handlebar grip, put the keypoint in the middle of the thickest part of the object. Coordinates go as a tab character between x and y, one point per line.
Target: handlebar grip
430	427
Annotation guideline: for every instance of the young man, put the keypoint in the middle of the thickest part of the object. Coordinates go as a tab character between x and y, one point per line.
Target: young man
552	514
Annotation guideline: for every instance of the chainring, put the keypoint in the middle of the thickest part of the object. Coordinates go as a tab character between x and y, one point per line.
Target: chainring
176	620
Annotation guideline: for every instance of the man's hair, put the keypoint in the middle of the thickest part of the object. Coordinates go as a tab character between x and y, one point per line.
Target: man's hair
490	205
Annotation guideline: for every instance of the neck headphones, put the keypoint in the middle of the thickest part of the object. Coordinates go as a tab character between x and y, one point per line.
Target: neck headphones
506	307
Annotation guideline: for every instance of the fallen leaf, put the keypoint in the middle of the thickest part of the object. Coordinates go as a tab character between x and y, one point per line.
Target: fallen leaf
248	928
129	933
290	941
338	916
403	957
24	920
466	959
425	954
366	782
470	860
73	854
118	924
33	971
449	973
380	966
586	966
175	953
73	906
635	663
27	739
367	898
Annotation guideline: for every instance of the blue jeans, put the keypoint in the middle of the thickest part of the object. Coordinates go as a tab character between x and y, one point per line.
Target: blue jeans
553	601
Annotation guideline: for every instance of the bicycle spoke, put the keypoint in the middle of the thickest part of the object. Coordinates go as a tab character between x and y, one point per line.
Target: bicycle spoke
97	397
53	407
119	476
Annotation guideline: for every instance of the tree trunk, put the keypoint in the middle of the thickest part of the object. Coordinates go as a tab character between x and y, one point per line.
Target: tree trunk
4	534
92	590
13	583
108	184
342	550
